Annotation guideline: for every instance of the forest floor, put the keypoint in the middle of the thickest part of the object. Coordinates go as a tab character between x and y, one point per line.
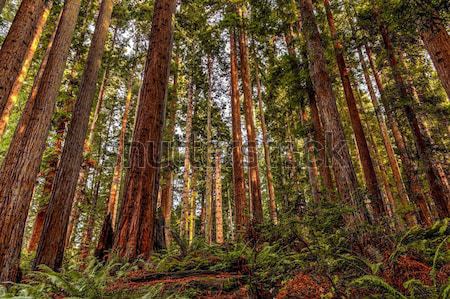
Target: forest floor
300	258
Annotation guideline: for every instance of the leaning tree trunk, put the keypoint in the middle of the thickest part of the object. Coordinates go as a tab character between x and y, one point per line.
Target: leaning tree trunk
218	198
439	187
52	244
269	177
253	168
240	201
21	38
187	187
344	171
17	85
403	195
21	164
377	206
414	188
208	182
437	42
134	237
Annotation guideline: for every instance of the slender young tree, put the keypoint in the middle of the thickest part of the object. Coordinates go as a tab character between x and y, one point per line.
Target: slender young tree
344	171
218	198
21	164
134	235
18	43
208	187
187	175
107	232
269	176
52	243
253	168
370	176
17	85
240	201
168	177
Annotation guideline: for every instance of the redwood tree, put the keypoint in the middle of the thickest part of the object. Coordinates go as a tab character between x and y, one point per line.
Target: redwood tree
240	201
378	208
52	243
136	223
17	45
21	164
342	165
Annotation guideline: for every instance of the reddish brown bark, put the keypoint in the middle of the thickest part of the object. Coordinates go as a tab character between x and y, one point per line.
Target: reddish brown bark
52	244
37	229
437	42
21	164
253	168
17	85
240	201
318	138
341	162
17	44
403	195
439	187
377	206
134	236
413	186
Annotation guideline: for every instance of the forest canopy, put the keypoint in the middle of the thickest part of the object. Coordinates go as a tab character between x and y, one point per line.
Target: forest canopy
224	148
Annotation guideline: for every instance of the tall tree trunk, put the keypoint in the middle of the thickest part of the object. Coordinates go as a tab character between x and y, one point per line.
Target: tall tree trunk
377	205
240	201
21	38
437	42
187	187
107	232
318	137
208	182
21	164
255	181
52	244
218	198
17	85
262	119
134	236
341	162
167	187
413	185
403	195
439	187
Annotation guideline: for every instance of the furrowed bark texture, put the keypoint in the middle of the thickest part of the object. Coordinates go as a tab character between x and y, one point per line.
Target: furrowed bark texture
134	237
21	164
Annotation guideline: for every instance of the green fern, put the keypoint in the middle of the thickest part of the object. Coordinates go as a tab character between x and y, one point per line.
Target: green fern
375	281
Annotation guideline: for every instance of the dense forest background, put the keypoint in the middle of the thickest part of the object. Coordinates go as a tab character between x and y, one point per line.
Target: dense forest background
226	148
